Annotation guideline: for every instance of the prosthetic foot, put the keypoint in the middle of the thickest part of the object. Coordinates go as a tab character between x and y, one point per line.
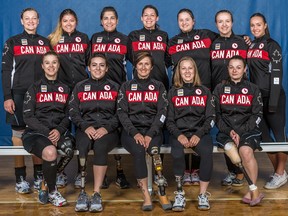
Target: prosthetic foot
164	201
43	193
82	203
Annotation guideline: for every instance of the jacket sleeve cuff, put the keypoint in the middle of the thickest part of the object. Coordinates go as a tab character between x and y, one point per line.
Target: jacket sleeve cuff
199	133
272	108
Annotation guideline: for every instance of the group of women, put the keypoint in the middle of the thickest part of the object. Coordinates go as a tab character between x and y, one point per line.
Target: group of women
104	106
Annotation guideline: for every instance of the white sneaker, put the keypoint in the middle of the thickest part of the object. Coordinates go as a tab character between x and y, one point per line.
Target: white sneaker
82	203
228	180
276	181
195	180
37	183
187	179
96	203
180	201
203	202
61	180
56	198
22	187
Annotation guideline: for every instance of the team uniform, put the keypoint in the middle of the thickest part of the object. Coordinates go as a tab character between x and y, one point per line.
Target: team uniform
114	46
93	103
21	67
195	44
155	42
239	108
264	59
190	112
44	109
74	53
142	107
221	50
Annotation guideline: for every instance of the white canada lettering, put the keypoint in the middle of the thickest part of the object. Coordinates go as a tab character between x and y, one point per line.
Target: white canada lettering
198	44
243	99
144	46
134	97
182	47
150	96
196	100
113	48
99	48
227	99
254	54
77	48
60	98
89	96
62	48
181	101
217	54
48	97
105	96
158	46
27	50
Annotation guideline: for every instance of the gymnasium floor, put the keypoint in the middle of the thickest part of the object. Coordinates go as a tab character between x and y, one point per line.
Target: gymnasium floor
224	200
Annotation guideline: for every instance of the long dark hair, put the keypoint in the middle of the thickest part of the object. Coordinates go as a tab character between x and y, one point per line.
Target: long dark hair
267	32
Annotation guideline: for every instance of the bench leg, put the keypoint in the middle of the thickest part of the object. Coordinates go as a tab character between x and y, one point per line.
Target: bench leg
150	173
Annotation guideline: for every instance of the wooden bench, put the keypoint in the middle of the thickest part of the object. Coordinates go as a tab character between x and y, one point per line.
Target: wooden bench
165	149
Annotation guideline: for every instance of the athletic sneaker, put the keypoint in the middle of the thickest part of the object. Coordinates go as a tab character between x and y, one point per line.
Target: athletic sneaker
276	181
22	187
228	180
156	178
121	181
180	201
37	183
96	203
43	196
61	180
56	198
187	180
203	202
105	183
82	203
195	180
238	182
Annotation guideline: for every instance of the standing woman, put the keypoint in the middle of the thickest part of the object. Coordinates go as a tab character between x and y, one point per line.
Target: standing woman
114	45
45	113
21	67
191	115
265	65
92	109
153	40
238	112
73	48
223	48
142	107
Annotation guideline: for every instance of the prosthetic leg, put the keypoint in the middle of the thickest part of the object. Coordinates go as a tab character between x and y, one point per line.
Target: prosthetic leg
121	180
232	152
82	203
180	201
166	204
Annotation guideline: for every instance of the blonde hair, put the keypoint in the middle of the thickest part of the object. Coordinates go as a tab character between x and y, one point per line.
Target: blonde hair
55	36
178	81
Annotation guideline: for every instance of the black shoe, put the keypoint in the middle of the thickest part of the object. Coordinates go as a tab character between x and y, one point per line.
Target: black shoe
105	183
122	182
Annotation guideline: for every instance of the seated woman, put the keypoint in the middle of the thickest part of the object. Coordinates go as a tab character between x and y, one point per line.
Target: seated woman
239	111
191	115
46	116
92	108
142	107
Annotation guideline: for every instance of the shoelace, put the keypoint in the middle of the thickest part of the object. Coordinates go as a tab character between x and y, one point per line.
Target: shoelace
24	183
179	196
204	197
